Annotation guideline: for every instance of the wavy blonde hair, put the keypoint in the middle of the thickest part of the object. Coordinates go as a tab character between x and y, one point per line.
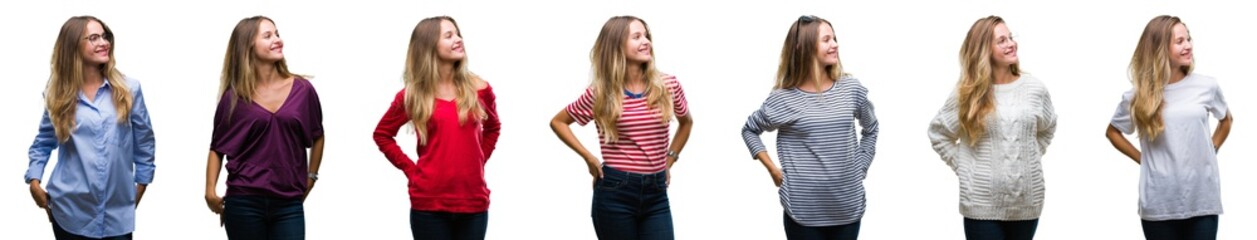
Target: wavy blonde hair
610	72
975	89
798	55
239	74
1150	71
67	76
422	74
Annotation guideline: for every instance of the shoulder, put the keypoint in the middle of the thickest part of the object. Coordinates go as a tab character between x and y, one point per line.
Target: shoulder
401	94
1033	84
851	81
131	82
1204	80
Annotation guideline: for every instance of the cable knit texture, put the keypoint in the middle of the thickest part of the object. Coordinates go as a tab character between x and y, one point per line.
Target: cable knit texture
1001	177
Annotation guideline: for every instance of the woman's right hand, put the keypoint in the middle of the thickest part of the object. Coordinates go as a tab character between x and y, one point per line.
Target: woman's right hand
214	202
595	170
777	176
38	193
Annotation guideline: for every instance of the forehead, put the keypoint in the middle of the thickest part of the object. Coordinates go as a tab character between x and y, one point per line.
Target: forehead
1179	29
1000	29
823	28
266	25
447	25
94	27
636	26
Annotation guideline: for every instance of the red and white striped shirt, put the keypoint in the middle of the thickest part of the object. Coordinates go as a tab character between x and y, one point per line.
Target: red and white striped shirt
642	145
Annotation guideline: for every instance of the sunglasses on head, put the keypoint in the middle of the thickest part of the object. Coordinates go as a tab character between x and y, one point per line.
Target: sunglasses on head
798	40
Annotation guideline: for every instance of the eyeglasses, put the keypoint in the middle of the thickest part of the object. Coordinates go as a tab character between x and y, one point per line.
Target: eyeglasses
98	38
1005	42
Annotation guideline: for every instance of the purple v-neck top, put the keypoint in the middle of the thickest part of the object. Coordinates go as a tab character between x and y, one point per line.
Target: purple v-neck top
265	151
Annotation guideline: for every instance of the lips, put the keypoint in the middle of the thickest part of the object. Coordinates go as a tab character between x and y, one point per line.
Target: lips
102	51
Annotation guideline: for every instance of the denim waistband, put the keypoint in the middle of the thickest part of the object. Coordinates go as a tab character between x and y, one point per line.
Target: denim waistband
608	171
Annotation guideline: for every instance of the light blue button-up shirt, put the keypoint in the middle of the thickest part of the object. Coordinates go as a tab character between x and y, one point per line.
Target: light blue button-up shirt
92	188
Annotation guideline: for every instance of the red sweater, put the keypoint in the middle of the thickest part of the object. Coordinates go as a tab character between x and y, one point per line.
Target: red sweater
449	175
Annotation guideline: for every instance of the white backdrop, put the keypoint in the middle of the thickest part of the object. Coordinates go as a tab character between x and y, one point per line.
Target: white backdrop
535	53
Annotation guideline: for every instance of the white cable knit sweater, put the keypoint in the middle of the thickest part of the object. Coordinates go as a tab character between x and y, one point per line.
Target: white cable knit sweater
1001	177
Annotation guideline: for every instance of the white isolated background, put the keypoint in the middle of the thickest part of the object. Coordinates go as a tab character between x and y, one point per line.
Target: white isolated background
535	54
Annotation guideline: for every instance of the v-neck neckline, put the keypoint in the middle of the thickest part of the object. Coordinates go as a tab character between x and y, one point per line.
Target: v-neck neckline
291	88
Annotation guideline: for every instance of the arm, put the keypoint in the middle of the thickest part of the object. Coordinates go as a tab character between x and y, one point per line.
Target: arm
1046	123
1121	144
1221	132
561	125
145	147
316	159
943	133
685	124
386	131
40	151
492	124
213	166
868	134
756	124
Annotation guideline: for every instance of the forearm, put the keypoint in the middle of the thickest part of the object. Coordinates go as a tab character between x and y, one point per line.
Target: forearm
1223	130
212	168
686	124
564	132
767	161
316	155
1122	145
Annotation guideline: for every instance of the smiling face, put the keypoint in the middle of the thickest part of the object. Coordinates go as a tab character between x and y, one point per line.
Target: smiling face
1003	47
267	46
449	45
637	45
1180	46
95	46
826	45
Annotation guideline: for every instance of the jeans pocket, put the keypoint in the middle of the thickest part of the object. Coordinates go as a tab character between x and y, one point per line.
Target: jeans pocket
609	183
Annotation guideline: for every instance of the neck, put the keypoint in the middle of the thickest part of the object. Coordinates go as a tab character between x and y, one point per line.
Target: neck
1177	75
446	72
91	75
267	73
819	76
1003	75
634	75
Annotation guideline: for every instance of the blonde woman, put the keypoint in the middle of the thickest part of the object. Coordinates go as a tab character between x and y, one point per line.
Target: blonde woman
816	106
454	114
1169	108
632	105
96	119
266	119
993	131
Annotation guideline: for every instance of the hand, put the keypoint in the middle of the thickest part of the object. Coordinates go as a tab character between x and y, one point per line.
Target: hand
595	171
667	178
37	193
777	176
214	202
309	186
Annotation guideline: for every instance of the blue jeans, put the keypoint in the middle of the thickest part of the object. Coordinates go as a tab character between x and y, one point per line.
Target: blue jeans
1000	230
1196	228
448	226
263	218
61	234
632	206
796	231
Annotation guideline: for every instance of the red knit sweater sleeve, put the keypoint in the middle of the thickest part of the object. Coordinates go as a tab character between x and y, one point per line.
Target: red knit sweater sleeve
492	124
386	131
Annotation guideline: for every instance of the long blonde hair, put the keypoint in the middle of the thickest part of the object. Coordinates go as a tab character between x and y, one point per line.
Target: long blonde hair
239	74
975	90
610	72
422	74
1150	71
67	76
798	55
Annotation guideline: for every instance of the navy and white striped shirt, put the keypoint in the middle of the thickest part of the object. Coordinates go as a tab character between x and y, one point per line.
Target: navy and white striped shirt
823	162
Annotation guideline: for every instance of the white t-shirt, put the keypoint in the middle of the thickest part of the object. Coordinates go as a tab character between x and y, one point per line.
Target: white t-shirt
1178	177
